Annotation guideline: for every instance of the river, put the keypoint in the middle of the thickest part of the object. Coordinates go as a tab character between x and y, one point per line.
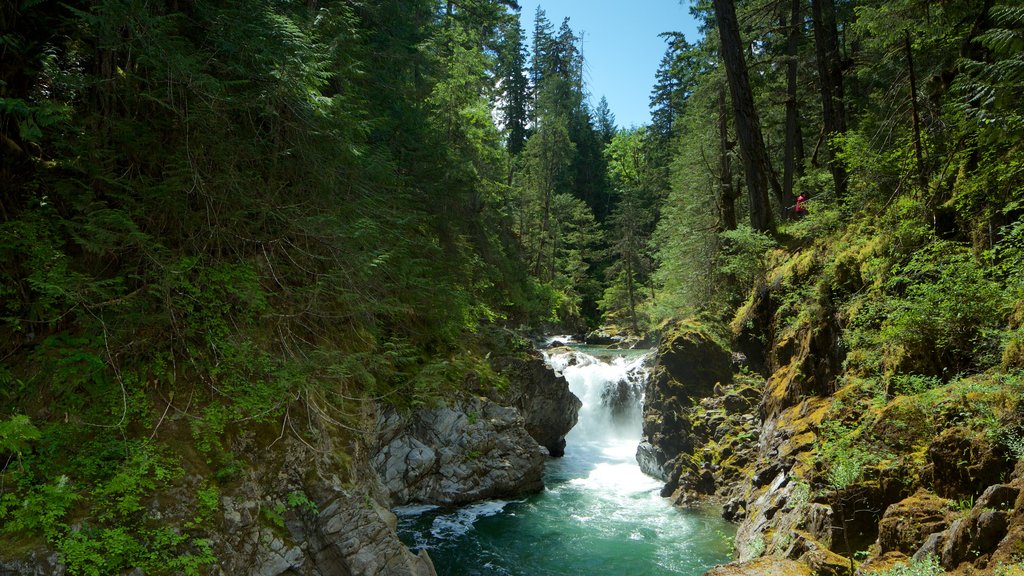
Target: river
599	514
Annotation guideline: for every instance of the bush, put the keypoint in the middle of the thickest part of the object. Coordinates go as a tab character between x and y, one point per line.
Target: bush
947	320
743	256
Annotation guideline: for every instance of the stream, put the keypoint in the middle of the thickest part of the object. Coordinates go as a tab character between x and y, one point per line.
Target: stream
599	514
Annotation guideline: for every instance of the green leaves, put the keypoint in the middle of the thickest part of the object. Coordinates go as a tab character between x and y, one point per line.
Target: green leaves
16	435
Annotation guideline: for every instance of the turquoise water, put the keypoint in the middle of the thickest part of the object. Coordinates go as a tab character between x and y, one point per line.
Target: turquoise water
599	515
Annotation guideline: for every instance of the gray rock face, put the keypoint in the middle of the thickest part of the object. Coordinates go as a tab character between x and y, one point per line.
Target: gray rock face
359	538
543	398
38	563
471	450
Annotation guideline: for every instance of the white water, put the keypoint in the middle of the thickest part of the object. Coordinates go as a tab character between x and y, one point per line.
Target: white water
599	514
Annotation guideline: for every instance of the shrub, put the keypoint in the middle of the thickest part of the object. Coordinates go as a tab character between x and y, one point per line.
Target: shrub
947	319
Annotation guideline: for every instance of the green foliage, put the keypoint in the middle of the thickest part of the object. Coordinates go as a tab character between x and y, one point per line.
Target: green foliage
300	501
16	435
946	320
744	255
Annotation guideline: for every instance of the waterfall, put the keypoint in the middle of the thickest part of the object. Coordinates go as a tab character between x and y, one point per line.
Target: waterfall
601	448
611	388
598	515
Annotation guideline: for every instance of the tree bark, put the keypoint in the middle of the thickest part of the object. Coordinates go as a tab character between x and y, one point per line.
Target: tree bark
748	126
793	155
922	176
726	197
830	73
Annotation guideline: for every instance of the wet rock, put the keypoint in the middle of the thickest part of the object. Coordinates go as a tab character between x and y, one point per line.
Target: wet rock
549	409
468	451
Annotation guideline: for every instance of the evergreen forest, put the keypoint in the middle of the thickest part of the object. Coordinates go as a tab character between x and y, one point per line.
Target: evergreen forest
265	218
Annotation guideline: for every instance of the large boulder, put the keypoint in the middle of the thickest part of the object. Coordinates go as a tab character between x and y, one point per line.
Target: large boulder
550	410
689	364
963	461
453	454
906	525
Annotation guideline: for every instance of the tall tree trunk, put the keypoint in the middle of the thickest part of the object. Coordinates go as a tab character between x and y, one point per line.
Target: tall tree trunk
748	126
726	196
922	176
793	159
830	73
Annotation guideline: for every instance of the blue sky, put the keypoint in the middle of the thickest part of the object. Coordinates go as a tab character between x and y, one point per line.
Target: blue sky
620	45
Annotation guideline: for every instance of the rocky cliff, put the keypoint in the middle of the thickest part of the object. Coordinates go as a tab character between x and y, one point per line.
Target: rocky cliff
819	463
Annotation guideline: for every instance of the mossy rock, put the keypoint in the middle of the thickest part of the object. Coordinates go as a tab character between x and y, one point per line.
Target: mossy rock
903	424
693	359
764	566
907	524
964	462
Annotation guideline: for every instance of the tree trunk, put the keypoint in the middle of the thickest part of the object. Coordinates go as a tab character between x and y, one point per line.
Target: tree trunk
748	126
922	176
793	159
830	73
726	197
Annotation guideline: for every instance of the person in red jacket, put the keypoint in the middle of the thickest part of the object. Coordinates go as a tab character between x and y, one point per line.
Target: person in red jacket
800	210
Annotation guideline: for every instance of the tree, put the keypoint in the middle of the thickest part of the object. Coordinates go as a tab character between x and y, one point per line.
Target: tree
605	121
830	82
792	165
748	128
631	224
513	97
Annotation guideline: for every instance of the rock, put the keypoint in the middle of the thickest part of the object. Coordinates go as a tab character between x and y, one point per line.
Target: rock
599	338
821	560
968	538
882	563
764	566
688	366
35	563
998	497
817	521
543	398
734	510
963	461
1010	547
736	403
932	546
903	424
906	525
352	536
693	360
470	450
